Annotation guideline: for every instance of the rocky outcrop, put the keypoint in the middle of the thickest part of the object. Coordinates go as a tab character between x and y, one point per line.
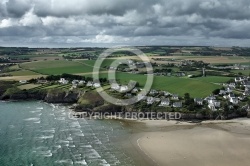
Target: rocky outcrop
59	96
24	95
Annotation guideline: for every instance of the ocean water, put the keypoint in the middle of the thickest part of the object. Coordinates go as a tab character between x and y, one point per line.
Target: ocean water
36	133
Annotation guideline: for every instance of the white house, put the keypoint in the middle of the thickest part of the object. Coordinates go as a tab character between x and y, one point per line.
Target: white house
96	85
75	82
115	86
175	97
74	86
234	100
23	81
198	101
246	93
177	104
166	93
229	89
165	102
237	79
81	82
89	84
214	105
222	92
232	85
153	92
124	88
63	81
150	100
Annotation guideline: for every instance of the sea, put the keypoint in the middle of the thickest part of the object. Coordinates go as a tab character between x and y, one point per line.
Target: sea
37	133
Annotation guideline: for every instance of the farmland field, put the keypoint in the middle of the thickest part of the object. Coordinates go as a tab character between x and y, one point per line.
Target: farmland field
57	67
209	59
214	79
22	73
28	86
196	87
244	72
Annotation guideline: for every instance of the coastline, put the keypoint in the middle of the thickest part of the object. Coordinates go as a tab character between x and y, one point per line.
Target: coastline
163	142
211	142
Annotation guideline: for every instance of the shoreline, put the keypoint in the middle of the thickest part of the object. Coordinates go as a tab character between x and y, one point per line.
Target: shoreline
211	142
147	143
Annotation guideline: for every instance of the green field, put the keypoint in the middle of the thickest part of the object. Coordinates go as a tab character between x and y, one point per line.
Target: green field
23	73
196	87
244	72
57	67
214	79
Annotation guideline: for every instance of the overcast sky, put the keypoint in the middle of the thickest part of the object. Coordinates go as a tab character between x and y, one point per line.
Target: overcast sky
69	23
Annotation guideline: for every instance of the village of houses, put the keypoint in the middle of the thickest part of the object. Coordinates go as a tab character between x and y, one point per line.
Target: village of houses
169	100
164	99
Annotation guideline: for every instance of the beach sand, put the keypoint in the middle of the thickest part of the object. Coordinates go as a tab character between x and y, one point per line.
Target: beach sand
210	143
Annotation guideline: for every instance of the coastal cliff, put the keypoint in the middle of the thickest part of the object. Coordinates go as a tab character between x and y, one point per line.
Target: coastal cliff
91	101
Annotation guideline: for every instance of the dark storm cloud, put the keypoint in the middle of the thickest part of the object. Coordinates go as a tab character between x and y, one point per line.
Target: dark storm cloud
125	21
82	7
17	8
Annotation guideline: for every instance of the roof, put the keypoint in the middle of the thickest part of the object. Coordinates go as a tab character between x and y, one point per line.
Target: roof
165	100
198	99
177	104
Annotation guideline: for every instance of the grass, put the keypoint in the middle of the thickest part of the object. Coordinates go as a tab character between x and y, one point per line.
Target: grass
213	79
22	73
28	86
196	87
209	59
244	72
57	67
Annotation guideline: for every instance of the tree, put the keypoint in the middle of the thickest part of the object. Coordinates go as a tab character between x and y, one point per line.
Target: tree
216	91
186	96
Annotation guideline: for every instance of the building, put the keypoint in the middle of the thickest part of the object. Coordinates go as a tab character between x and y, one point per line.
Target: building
153	92
89	84
246	93
214	105
177	104
115	86
124	88
198	101
96	85
175	97
150	100
229	89
165	102
234	100
222	92
63	81
75	82
23	81
81	82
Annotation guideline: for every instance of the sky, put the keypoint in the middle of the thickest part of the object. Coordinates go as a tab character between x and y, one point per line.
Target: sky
104	23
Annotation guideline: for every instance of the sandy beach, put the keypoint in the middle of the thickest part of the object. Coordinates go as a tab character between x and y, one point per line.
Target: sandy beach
210	143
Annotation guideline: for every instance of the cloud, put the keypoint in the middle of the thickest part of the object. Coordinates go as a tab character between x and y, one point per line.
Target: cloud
112	22
17	8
